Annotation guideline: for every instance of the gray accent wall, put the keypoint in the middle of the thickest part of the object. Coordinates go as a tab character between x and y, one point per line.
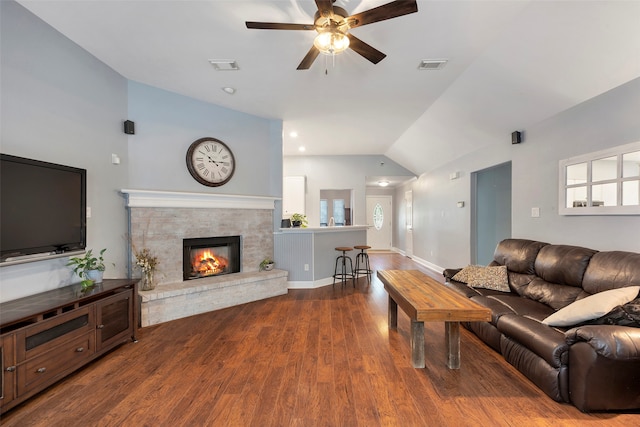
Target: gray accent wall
442	233
608	120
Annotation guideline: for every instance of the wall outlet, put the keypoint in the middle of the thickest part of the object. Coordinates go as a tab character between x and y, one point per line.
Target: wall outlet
306	267
88	211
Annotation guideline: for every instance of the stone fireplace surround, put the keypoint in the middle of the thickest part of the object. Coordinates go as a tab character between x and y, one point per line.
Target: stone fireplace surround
160	220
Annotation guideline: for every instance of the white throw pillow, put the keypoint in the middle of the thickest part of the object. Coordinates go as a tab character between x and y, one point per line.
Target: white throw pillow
592	307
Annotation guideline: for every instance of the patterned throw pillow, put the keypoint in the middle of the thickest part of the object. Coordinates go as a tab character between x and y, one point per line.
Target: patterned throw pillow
467	273
477	276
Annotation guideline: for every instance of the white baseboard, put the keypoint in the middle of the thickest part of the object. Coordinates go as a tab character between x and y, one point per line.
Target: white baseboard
310	284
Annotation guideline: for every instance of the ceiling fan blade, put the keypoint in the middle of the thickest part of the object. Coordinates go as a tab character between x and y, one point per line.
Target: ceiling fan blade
366	51
384	12
309	58
325	7
278	26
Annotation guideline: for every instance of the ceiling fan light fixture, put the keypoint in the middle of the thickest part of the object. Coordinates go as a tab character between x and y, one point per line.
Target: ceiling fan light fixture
331	42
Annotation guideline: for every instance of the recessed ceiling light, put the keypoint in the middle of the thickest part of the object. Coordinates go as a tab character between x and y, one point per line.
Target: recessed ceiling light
293	134
432	64
301	149
224	64
229	90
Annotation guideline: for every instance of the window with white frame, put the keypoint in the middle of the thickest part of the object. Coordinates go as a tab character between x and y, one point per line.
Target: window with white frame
606	182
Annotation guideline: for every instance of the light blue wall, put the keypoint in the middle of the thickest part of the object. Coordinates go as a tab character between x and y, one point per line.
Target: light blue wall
62	105
167	123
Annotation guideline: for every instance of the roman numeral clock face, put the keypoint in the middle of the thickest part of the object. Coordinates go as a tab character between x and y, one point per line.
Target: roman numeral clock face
210	162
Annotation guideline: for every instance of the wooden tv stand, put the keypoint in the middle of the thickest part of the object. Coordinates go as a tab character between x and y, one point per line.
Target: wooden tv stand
47	336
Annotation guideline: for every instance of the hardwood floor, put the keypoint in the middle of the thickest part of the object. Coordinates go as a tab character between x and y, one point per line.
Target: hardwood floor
322	357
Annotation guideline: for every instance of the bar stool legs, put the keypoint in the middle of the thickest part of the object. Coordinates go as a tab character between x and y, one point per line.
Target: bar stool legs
344	272
362	263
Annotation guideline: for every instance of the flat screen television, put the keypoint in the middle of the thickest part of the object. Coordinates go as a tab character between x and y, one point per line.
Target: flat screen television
42	208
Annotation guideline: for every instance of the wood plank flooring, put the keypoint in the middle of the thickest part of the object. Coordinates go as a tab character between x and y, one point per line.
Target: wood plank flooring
322	357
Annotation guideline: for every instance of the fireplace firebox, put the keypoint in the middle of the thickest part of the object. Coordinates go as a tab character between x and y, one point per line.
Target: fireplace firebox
210	256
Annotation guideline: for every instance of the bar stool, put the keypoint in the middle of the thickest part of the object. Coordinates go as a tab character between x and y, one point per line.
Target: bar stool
344	272
362	262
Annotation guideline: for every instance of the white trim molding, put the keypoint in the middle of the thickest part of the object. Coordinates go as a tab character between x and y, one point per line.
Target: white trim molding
176	199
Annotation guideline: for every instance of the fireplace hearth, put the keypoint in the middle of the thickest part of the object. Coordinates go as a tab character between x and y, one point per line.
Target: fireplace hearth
210	256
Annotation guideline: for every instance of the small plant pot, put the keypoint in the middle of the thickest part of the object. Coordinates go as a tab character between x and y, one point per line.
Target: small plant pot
94	275
268	267
296	224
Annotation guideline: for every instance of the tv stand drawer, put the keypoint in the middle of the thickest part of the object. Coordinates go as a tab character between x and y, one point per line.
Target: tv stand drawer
51	366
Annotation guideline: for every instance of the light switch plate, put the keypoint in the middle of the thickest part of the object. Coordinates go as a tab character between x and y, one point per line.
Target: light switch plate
535	212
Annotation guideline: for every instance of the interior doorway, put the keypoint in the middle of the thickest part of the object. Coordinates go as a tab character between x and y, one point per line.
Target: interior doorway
490	211
379	220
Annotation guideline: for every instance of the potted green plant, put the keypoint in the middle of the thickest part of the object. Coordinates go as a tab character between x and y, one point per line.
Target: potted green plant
299	220
89	267
267	264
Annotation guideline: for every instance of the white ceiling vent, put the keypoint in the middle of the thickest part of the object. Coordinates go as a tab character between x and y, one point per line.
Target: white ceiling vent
224	64
432	64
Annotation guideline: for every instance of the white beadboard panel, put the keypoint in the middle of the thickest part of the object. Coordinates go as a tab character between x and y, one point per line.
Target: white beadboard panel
292	251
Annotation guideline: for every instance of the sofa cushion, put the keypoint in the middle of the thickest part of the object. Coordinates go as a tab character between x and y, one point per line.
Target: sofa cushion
592	307
461	288
610	270
497	308
548	343
563	264
523	306
518	255
552	294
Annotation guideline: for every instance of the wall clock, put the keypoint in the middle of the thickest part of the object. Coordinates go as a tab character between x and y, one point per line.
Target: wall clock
210	162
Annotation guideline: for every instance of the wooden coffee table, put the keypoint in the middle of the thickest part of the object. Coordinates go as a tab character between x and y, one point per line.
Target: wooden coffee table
423	299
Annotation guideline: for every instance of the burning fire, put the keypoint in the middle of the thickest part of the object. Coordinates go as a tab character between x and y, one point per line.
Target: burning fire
206	263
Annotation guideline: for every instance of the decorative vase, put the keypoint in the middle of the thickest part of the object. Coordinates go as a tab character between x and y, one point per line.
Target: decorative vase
147	283
95	275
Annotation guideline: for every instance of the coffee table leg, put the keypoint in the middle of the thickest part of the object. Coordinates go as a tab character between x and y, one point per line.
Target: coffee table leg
417	344
452	342
393	313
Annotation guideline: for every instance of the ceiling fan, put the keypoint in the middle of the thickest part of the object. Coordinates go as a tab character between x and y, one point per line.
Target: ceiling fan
333	24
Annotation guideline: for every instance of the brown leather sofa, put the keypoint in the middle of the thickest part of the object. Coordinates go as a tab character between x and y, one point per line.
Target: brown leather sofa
596	367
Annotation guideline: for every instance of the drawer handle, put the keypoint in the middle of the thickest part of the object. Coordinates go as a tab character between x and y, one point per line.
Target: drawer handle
100	326
41	370
80	349
10	368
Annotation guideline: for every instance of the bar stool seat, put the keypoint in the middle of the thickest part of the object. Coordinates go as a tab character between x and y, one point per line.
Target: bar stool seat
344	273
362	262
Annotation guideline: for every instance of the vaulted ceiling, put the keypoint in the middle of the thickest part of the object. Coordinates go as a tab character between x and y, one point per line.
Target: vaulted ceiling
510	64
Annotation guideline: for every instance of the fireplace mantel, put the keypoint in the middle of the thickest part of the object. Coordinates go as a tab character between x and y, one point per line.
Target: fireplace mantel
177	199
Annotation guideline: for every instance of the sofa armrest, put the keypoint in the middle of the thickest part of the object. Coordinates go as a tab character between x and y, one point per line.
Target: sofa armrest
448	273
604	373
610	341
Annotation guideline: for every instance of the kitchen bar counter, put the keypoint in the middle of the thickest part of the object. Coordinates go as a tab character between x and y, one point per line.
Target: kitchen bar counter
309	254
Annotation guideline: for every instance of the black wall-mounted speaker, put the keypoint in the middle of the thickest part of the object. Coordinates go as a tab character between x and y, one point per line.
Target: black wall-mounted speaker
516	137
129	127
